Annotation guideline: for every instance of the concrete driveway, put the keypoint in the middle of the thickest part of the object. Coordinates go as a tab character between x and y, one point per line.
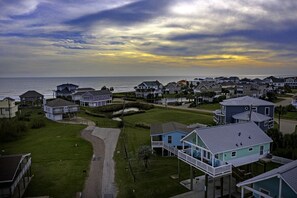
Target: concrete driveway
287	126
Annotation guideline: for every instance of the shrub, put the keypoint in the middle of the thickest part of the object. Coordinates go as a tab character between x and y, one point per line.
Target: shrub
142	125
95	114
37	123
11	130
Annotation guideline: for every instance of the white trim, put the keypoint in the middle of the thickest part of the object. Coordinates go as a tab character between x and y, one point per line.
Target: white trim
257	192
264	191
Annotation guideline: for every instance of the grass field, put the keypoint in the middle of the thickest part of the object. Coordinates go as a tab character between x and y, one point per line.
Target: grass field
156	181
100	122
210	107
57	164
289	115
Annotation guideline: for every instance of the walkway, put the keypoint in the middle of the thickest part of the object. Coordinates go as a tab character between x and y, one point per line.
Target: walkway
110	138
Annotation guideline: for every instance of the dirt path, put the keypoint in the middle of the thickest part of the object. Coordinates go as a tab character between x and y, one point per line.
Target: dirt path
110	138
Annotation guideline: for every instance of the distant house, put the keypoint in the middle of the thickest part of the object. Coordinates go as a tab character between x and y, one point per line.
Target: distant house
168	136
31	98
65	90
76	96
214	150
279	182
172	88
15	175
250	89
8	108
208	86
96	98
294	101
58	109
149	88
234	79
244	109
291	82
276	82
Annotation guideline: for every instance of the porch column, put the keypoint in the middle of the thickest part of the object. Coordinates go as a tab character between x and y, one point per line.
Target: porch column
214	187
242	192
191	177
213	157
183	145
280	188
178	168
206	186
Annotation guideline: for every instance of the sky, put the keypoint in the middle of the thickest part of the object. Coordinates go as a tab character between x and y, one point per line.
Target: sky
147	37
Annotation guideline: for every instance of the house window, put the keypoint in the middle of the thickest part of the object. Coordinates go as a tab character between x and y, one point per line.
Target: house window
267	110
169	139
250	149
266	192
233	154
254	109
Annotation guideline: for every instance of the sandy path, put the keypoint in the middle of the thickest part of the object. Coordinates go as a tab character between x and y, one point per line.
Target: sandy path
110	138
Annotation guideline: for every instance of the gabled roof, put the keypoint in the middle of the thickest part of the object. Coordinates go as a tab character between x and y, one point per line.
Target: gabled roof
31	94
98	92
8	98
84	89
169	127
151	83
8	167
256	117
287	172
60	103
67	85
246	101
230	137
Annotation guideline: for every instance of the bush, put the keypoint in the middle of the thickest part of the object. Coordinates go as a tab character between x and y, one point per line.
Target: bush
142	125
95	114
22	117
11	130
37	123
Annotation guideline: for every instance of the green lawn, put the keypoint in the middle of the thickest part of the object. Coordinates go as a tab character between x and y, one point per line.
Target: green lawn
57	164
210	107
161	115
156	181
100	122
289	115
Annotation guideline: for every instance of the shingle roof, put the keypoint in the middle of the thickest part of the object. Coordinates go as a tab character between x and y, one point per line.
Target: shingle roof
151	83
246	101
232	136
287	172
31	94
169	127
84	89
99	92
60	103
8	167
8	98
67	84
256	117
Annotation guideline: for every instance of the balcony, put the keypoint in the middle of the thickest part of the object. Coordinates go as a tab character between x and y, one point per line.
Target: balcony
220	168
168	147
219	117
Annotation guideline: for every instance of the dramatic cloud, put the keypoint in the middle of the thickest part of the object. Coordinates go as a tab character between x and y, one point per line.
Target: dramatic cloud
140	37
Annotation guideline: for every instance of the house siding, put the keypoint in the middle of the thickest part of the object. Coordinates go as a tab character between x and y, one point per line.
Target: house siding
245	152
176	137
272	185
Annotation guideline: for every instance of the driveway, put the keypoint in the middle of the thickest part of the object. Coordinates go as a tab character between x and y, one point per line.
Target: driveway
287	126
110	138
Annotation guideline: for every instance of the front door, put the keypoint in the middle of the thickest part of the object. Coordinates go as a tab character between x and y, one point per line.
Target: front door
261	150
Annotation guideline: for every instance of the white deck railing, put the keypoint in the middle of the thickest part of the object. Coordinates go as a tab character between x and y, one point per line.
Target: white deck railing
206	168
21	174
161	144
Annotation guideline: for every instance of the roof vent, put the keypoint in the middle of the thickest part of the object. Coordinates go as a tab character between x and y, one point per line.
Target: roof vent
250	137
240	143
236	144
239	133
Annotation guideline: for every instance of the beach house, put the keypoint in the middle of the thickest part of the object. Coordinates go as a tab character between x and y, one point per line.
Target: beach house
96	98
65	90
167	136
15	175
58	109
294	101
8	108
172	88
149	89
279	182
215	150
76	96
31	98
245	109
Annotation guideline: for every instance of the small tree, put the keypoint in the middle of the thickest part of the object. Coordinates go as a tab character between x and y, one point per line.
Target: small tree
145	153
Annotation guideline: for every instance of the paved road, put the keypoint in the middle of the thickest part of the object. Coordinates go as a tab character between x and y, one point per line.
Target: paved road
110	138
285	102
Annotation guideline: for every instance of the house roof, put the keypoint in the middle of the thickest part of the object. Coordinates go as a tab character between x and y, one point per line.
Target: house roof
60	103
8	167
256	117
8	98
31	94
229	137
151	83
85	89
169	127
99	92
246	101
287	172
67	85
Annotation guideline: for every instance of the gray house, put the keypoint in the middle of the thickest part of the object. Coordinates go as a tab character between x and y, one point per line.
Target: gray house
244	109
65	90
58	109
146	88
96	98
31	98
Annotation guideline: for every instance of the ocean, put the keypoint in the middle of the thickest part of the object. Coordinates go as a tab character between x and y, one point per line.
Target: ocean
14	87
